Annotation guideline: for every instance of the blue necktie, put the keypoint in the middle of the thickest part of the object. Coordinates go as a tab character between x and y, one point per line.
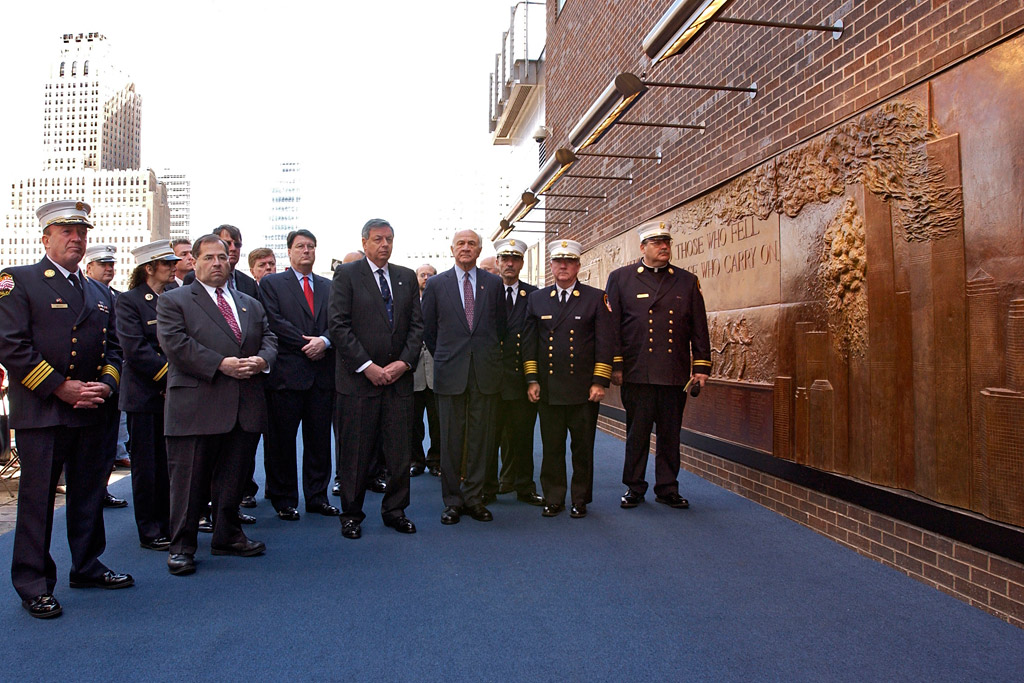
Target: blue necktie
385	292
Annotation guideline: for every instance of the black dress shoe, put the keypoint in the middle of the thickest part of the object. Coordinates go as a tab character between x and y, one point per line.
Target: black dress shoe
673	500
480	513
451	515
181	564
288	514
162	543
578	510
416	470
434	470
325	509
350	529
530	498
110	501
402	525
248	502
246	548
336	489
43	606
552	510
245	519
378	485
108	580
630	499
206	524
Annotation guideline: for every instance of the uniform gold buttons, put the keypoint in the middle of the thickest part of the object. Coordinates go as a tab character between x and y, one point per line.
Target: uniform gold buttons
651	350
669	341
71	367
74	353
551	348
671	312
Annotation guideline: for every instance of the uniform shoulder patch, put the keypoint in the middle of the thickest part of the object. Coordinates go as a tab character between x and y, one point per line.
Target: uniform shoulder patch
698	283
6	284
606	304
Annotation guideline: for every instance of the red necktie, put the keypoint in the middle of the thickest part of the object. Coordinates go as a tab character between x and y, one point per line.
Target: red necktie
225	310
309	294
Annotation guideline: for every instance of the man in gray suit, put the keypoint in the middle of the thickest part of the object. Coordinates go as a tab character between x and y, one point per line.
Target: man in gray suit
219	348
423	400
377	329
464	322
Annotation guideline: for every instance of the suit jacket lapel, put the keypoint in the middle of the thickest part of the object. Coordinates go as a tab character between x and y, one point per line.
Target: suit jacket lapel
321	293
243	316
369	278
206	304
294	287
454	283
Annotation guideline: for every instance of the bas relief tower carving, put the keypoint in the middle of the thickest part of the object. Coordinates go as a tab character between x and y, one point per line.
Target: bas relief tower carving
863	319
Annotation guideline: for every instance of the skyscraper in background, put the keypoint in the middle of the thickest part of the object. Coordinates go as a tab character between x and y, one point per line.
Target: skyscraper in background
285	198
179	198
91	143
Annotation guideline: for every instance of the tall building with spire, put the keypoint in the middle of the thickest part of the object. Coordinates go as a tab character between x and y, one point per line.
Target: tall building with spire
285	200
91	151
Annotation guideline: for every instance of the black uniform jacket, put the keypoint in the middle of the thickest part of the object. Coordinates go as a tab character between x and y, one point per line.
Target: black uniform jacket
513	381
144	376
661	323
568	346
45	338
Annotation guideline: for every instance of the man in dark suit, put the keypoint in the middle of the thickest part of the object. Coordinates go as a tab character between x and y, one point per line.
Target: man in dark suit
376	328
58	343
301	385
569	347
517	415
237	280
464	322
659	316
219	348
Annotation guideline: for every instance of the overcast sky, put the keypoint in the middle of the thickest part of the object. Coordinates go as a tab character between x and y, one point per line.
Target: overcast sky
380	101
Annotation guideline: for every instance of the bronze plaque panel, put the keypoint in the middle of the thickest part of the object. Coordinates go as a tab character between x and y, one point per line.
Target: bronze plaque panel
738	264
741	413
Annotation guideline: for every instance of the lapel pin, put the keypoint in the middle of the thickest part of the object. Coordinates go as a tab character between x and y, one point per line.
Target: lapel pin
552	292
575	292
522	292
671	272
49	272
244	310
149	297
640	269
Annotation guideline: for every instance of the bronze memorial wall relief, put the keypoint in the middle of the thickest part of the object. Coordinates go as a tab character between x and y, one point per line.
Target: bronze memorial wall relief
855	325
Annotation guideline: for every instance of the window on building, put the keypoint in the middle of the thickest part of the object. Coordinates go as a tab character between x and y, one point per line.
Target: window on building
74	68
62	69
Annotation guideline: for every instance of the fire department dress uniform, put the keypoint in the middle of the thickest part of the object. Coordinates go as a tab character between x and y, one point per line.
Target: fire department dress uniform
51	332
661	322
568	348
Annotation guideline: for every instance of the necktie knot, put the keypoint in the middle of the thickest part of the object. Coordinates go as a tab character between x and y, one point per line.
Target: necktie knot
565	295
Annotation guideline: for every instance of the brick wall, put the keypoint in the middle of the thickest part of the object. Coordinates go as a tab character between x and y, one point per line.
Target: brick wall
807	83
981	579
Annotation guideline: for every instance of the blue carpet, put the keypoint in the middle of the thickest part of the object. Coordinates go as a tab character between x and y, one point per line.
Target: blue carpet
725	591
